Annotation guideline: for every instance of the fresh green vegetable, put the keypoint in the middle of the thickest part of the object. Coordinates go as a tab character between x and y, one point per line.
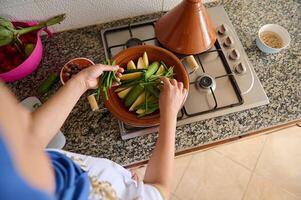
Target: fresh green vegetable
120	89
46	84
148	110
28	49
161	70
151	70
131	82
133	95
124	93
133	70
131	76
141	64
106	81
140	86
9	34
145	59
152	90
140	99
131	65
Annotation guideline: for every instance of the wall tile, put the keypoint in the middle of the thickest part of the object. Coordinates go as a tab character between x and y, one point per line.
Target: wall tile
82	13
78	13
12	3
115	9
169	4
28	11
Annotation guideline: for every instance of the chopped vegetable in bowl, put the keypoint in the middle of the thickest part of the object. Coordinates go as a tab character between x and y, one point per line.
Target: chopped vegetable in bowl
139	86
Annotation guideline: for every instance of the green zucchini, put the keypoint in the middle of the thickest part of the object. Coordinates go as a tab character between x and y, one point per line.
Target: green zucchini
133	95
130	82
150	109
133	70
46	85
131	76
151	70
153	90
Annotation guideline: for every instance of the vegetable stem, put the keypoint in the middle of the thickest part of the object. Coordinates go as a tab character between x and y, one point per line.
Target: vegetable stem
106	81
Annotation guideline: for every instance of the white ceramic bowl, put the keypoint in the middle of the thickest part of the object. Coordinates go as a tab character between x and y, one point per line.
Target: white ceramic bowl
279	30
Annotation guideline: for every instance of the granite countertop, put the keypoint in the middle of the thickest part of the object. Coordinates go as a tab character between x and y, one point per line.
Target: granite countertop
97	134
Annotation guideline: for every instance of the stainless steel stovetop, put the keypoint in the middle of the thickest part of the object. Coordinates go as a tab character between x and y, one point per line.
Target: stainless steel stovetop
224	82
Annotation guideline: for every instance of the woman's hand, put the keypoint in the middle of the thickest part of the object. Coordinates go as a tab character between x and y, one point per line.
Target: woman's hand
172	97
89	76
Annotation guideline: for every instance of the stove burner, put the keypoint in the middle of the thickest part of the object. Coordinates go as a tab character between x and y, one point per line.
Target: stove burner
133	42
205	82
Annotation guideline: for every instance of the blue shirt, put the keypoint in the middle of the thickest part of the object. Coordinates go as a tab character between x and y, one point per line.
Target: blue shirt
71	181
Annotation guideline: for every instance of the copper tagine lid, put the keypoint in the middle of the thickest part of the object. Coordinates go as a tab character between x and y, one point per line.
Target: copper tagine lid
186	29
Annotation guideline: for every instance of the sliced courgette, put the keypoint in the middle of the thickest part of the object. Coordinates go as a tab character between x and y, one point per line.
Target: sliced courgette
131	65
133	95
139	101
131	76
161	70
140	111
151	70
145	60
124	93
153	90
119	89
140	64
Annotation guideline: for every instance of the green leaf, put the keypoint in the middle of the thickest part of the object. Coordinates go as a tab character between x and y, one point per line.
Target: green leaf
6	36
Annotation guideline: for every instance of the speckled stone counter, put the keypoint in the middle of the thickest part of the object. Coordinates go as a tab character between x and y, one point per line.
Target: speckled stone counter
97	134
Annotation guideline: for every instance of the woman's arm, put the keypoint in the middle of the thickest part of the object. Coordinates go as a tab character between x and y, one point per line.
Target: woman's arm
29	159
27	134
49	118
160	167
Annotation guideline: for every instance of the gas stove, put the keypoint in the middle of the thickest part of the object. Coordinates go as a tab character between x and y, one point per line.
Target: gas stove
222	80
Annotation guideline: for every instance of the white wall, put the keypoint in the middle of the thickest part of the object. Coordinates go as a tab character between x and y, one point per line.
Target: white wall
81	12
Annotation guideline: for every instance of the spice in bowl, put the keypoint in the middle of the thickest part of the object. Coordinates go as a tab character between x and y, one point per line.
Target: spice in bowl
271	39
73	67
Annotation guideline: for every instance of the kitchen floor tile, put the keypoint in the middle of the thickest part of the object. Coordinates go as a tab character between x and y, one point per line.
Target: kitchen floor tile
280	161
245	152
211	176
173	197
181	164
262	189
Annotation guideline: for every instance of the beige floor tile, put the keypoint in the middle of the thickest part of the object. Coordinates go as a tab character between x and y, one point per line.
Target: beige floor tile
211	176
280	160
173	197
261	189
245	152
181	164
179	168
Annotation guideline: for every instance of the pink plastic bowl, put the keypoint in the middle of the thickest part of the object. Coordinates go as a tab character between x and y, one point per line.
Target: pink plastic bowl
31	63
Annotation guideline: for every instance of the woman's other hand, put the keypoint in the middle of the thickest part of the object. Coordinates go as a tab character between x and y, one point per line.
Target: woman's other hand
89	77
172	97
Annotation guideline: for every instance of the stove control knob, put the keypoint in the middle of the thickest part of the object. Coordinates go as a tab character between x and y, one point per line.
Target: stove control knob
240	69
234	54
222	29
228	42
